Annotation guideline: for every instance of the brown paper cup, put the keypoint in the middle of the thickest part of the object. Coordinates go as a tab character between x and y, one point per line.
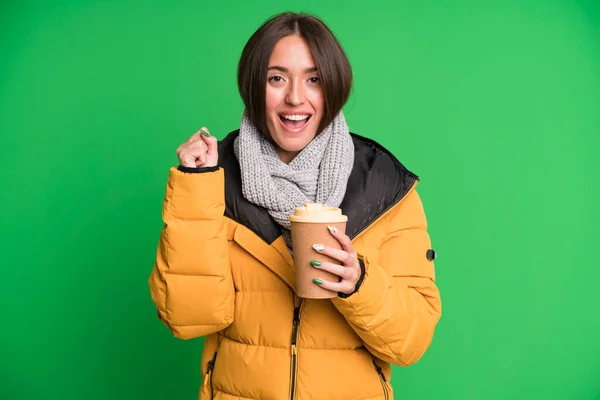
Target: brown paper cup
306	233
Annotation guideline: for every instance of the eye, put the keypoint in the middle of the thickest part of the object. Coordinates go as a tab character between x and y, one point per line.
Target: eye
276	79
314	79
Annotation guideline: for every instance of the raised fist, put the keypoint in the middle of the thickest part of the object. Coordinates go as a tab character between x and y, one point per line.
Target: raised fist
200	150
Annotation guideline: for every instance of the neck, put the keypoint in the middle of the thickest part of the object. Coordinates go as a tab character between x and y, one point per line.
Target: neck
286	156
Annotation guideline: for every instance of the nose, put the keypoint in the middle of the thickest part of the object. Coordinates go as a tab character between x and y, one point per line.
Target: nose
295	94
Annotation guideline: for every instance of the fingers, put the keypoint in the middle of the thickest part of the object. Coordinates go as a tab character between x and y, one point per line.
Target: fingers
197	151
211	144
199	135
197	146
193	152
335	269
196	136
349	271
194	147
343	239
343	286
337	254
345	273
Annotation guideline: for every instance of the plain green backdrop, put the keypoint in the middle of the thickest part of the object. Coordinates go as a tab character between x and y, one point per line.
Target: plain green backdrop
495	104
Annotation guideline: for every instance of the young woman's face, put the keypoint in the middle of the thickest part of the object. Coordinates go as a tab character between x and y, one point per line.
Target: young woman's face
294	102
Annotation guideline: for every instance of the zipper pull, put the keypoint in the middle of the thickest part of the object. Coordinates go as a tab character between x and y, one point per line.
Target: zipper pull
295	325
379	371
209	368
294	350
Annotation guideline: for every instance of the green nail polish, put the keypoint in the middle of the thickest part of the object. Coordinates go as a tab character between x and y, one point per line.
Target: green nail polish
204	133
316	263
317	281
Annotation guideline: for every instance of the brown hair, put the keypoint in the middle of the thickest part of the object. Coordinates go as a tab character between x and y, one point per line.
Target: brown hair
334	67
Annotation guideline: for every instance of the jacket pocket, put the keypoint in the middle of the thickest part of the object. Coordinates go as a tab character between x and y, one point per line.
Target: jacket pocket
208	384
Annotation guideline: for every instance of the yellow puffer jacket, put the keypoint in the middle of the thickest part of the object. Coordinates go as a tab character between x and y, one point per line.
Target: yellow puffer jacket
223	271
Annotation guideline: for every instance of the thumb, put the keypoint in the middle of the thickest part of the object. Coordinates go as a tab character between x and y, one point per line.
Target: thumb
212	144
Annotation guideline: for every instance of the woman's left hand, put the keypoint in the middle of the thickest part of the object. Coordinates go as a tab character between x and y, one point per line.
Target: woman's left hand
349	272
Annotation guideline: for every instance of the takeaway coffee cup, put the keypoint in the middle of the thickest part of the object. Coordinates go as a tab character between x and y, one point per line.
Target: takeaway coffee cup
309	227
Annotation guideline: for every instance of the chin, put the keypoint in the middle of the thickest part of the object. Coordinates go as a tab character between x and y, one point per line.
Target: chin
290	141
294	144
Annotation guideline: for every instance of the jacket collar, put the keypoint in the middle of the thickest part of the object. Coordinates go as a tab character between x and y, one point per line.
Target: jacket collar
377	182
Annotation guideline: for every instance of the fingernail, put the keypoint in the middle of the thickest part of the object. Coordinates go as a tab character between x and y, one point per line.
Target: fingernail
316	263
317	281
206	134
318	247
331	229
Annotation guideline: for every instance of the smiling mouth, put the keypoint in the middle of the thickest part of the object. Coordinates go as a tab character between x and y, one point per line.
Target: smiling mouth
294	123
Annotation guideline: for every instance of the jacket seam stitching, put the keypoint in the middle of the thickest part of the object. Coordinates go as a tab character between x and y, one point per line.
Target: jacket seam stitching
287	347
256	345
195	275
260	291
233	394
188	326
327	349
166	245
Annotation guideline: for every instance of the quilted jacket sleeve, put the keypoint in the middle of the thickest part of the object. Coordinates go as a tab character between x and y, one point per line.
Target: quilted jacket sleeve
397	307
191	283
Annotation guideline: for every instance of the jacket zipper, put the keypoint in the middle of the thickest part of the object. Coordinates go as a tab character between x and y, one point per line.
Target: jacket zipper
384	383
294	360
209	369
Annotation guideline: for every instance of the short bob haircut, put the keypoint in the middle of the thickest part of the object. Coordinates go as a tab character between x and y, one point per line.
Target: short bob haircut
331	61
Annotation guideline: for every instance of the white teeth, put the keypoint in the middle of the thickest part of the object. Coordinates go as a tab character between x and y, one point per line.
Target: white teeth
296	117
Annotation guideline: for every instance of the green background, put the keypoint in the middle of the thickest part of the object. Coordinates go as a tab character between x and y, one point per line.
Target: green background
495	104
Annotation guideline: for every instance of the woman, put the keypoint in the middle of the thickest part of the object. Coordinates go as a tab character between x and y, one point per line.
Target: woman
224	268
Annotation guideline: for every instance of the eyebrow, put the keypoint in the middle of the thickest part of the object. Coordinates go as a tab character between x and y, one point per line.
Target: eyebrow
285	70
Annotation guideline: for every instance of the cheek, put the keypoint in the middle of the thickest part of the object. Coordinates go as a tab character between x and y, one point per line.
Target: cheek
317	100
272	100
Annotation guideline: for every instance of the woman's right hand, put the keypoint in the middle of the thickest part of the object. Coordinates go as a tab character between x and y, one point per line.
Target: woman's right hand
200	150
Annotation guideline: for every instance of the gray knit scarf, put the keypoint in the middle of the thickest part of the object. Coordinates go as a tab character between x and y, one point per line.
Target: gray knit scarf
319	173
